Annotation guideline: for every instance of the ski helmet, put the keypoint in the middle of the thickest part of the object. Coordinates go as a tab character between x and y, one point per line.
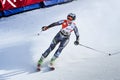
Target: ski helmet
72	15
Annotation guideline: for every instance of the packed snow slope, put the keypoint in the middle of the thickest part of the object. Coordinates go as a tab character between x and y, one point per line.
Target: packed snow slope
99	28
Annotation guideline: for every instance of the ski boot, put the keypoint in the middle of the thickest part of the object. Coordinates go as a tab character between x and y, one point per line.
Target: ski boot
39	63
51	65
38	67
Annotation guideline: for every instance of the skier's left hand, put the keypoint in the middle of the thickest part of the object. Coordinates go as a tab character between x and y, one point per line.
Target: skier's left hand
76	42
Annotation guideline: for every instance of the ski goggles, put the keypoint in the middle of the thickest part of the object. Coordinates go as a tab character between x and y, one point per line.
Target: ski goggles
70	18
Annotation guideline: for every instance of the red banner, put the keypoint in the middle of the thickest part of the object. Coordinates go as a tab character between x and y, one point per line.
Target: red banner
10	4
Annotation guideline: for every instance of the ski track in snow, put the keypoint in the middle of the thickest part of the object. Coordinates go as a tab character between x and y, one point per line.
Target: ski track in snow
98	24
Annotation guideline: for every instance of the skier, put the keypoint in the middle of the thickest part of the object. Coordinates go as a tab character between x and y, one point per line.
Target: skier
61	37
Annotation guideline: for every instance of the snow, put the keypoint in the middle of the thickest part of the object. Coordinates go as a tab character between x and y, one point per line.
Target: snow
98	24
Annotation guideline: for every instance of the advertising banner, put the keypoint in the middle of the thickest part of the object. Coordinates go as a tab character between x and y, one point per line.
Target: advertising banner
10	4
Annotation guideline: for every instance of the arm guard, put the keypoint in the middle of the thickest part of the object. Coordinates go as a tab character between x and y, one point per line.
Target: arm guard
55	24
76	33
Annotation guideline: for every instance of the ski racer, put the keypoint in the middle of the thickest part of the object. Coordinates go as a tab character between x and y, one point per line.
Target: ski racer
61	37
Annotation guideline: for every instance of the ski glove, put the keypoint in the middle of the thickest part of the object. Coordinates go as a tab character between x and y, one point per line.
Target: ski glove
76	42
44	28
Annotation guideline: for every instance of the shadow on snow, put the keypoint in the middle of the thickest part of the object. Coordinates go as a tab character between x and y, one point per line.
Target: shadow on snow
16	59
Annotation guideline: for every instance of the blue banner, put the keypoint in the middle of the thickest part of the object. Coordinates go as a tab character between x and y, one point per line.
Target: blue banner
1	14
12	11
53	2
33	6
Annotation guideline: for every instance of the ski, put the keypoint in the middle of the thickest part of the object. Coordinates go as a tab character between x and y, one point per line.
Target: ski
52	68
45	69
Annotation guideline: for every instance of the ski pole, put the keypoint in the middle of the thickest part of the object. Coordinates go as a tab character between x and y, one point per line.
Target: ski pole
39	32
93	49
114	53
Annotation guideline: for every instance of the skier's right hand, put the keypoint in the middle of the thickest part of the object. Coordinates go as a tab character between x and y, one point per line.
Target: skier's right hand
44	28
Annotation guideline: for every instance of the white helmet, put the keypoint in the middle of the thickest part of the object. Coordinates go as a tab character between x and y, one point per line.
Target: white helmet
71	15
